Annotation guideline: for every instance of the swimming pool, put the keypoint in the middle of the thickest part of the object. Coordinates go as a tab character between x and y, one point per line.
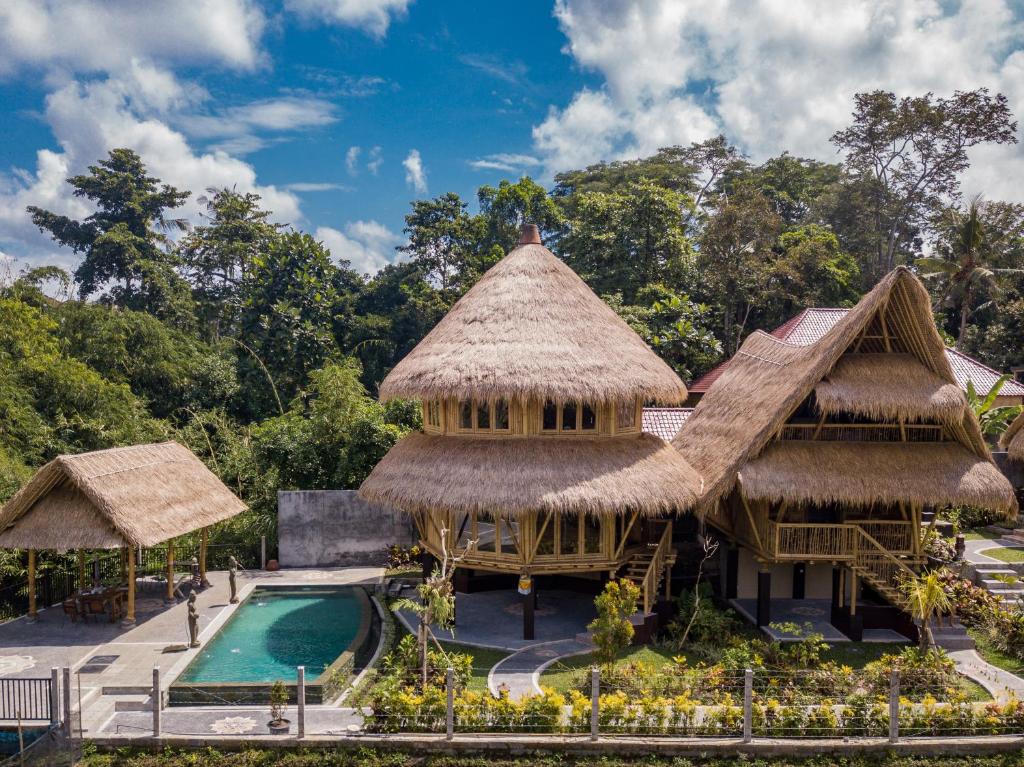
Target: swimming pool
271	633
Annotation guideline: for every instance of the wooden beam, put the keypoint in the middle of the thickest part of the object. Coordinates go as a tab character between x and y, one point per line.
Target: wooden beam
170	571
33	613
540	534
625	533
753	525
129	618
885	325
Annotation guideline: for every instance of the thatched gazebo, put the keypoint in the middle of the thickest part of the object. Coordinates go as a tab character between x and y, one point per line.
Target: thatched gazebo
822	456
531	460
1012	440
121	498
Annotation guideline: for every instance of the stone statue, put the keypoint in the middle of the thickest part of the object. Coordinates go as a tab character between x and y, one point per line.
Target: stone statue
193	621
232	575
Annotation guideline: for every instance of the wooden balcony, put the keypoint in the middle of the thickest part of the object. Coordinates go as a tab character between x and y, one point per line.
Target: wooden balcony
801	542
861	432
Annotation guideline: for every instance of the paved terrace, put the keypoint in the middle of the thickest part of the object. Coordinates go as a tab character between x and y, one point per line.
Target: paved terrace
110	663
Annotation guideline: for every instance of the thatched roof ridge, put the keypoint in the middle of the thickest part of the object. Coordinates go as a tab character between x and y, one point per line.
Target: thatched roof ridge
578	475
861	474
1013	439
889	387
137	496
769	378
532	329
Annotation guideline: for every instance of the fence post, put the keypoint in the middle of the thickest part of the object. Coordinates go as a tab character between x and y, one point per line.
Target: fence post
155	695
449	711
54	695
263	552
595	700
66	690
300	700
894	706
748	705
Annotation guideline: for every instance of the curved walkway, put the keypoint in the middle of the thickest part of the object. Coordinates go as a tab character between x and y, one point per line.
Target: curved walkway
520	672
1002	685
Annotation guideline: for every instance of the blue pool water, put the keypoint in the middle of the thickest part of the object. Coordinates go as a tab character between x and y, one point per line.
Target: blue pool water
274	631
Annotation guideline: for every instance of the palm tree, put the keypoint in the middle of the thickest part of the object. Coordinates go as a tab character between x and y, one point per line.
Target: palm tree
964	264
924	597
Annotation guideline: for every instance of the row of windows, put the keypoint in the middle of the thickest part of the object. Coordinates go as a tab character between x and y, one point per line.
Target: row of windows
567	417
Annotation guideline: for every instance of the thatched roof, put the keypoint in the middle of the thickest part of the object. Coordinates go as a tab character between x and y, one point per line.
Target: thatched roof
581	475
1013	440
136	496
532	329
768	379
861	474
889	387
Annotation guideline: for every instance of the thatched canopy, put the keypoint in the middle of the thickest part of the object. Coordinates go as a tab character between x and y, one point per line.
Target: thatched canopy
1013	440
127	496
768	379
889	387
532	329
860	474
586	475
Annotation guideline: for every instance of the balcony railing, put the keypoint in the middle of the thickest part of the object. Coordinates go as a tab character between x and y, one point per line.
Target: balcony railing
799	541
861	432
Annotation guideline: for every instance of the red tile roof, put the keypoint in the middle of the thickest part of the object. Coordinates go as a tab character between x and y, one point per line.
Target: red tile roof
664	422
811	324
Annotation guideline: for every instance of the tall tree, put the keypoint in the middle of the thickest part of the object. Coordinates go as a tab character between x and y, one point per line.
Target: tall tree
443	243
124	241
506	207
219	254
913	151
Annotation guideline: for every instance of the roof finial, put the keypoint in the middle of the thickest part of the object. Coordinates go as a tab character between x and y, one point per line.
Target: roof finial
529	234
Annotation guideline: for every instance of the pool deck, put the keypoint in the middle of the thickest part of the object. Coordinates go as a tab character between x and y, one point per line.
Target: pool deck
32	649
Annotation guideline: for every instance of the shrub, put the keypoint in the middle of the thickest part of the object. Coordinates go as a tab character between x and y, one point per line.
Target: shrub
612	629
921	673
969	517
709	626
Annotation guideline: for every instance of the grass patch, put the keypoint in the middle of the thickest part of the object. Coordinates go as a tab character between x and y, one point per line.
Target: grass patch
1004	554
992	655
484	660
857	655
980	535
564	675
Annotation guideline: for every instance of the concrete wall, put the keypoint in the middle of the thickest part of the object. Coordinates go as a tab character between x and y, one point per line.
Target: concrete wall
817	582
323	528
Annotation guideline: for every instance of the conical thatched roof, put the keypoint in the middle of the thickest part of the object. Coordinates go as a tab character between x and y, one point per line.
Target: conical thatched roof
532	329
135	496
1013	440
585	476
768	379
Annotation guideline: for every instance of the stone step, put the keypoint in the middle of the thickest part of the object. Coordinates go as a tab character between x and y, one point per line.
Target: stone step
994	584
127	689
134	703
952	638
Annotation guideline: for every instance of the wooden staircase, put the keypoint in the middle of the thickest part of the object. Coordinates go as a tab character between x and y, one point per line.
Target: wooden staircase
882	570
648	567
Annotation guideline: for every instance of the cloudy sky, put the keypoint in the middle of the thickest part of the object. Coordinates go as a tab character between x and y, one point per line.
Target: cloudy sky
339	112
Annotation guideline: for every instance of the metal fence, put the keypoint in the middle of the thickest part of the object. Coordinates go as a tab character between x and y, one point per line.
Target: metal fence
28	699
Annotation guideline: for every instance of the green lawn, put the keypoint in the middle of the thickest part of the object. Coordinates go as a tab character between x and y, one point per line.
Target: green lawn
484	660
994	656
857	655
563	675
1004	554
980	535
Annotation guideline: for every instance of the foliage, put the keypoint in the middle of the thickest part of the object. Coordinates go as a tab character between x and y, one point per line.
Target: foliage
397	556
970	517
711	623
612	630
924	599
994	419
278	701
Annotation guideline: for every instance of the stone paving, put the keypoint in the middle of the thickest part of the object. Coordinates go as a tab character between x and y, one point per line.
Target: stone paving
231	720
520	672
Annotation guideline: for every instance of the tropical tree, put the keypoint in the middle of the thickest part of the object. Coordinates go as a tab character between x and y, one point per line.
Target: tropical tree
124	241
924	598
994	419
964	265
612	629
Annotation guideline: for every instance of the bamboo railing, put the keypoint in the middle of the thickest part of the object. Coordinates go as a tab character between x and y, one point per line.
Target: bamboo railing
658	563
861	432
800	541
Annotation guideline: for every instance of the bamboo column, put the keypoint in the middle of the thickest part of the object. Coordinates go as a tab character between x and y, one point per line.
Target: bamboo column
129	619
81	570
32	612
170	571
203	540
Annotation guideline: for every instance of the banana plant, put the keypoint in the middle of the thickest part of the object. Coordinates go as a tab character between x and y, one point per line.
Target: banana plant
994	419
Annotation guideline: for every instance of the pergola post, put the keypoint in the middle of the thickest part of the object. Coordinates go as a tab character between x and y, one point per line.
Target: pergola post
203	541
170	573
129	618
32	612
82	584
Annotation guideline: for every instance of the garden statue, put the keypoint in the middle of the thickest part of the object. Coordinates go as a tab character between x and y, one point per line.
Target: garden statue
193	621
232	575
197	582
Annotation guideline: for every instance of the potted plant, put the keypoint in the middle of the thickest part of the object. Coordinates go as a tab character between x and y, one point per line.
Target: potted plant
278	708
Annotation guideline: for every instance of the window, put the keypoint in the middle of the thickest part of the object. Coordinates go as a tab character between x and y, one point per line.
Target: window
434	414
476	415
568	417
625	415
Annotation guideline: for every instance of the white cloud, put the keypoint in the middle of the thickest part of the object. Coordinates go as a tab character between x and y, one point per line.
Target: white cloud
88	119
238	128
371	16
505	162
107	35
352	160
511	71
367	245
772	76
375	161
314	186
415	173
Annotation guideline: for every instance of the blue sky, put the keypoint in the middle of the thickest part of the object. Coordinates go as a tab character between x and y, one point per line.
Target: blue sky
339	112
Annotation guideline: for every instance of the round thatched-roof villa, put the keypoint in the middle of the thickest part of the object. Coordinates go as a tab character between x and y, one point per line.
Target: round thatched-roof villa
532	461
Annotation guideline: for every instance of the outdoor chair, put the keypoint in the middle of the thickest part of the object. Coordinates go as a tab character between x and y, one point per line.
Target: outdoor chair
70	606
